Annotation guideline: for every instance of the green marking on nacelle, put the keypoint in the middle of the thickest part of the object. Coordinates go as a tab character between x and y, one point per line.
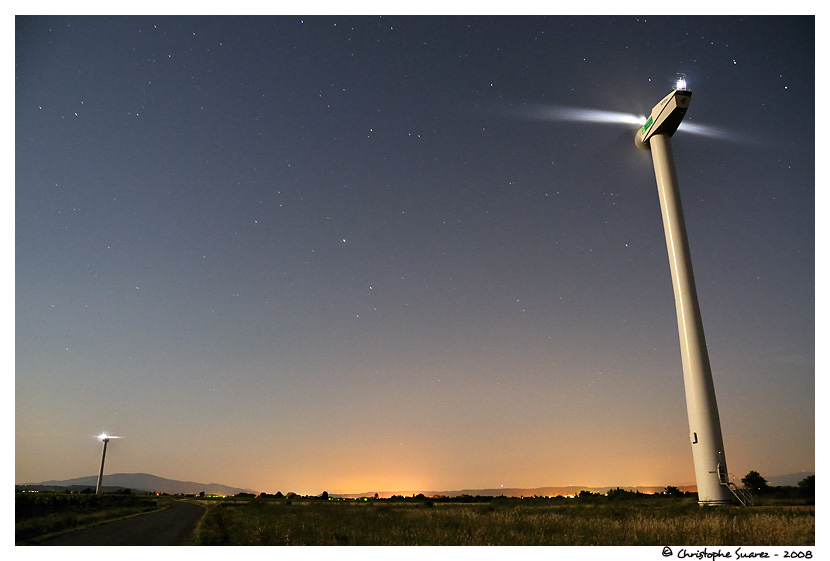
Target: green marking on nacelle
647	125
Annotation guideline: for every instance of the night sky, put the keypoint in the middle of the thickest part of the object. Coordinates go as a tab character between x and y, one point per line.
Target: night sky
364	254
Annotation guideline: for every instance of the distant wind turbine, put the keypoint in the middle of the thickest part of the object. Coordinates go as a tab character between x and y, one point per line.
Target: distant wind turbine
105	438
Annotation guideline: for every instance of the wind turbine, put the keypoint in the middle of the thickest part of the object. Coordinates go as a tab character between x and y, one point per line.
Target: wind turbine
105	438
713	485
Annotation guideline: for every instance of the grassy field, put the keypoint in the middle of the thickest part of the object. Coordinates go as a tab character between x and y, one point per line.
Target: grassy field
40	514
502	522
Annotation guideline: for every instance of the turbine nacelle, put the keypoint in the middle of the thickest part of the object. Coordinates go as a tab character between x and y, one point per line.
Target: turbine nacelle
665	117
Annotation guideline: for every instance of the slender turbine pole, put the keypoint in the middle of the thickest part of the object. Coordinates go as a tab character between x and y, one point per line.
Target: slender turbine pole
701	406
105	439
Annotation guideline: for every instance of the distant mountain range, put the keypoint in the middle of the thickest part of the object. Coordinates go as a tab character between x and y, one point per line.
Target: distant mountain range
145	482
140	482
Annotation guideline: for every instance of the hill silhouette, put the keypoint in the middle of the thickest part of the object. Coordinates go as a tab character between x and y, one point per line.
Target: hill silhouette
145	482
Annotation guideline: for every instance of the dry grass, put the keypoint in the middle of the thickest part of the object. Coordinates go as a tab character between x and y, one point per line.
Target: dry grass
508	523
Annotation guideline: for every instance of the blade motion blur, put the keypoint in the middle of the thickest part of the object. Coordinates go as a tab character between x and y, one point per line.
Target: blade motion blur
564	114
560	113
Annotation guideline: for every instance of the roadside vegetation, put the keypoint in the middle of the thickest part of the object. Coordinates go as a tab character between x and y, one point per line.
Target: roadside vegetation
37	515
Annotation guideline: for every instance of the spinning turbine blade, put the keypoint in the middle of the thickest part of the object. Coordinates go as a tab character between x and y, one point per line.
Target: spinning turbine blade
564	114
709	131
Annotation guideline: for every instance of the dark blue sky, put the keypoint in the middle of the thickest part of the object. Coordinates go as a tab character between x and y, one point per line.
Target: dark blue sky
350	254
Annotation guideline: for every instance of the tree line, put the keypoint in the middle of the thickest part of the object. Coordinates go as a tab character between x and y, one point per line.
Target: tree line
758	485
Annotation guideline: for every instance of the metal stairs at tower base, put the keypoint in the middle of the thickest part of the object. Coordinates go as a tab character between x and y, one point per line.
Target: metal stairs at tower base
742	494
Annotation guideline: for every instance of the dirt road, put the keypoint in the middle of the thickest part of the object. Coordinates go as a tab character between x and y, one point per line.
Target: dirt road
171	526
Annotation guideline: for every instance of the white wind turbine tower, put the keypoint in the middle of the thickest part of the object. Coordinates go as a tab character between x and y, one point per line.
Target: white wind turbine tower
713	483
105	438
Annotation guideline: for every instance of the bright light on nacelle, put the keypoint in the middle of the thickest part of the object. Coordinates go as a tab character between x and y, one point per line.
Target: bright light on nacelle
681	82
